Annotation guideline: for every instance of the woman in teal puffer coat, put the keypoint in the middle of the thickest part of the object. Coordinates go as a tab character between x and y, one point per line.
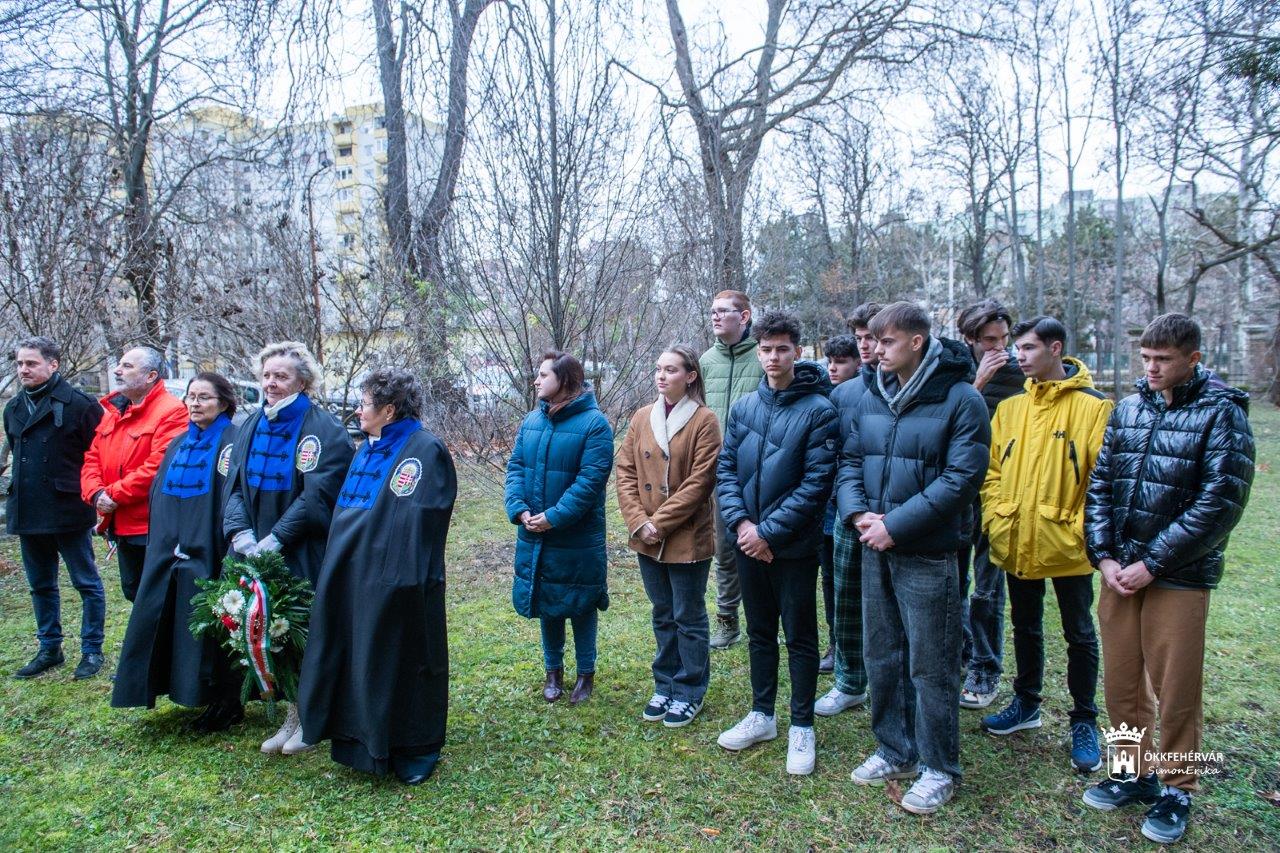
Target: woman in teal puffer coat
555	492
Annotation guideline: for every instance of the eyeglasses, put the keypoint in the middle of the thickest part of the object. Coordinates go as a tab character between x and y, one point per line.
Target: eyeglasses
720	312
200	398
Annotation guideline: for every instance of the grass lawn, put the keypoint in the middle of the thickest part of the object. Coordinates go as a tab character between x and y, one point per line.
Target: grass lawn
518	773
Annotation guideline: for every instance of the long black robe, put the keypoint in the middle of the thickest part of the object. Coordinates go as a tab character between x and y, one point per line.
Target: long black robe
375	679
298	516
160	656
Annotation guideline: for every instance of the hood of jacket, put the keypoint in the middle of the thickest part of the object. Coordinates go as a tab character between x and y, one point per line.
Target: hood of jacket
955	364
1078	378
1204	385
810	379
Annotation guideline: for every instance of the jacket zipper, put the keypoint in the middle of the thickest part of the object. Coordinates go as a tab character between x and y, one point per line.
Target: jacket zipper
728	391
1008	451
1142	469
768	423
1075	460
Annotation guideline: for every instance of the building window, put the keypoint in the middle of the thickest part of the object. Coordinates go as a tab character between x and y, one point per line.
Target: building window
342	127
344	194
348	240
344	150
380	122
382	146
344	173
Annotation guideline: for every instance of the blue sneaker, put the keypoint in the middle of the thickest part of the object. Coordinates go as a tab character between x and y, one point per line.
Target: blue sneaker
1012	719
1085	754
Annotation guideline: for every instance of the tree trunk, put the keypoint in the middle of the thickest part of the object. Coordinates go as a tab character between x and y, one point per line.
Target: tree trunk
395	194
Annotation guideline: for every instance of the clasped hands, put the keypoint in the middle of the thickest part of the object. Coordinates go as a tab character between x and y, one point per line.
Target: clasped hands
104	504
750	543
874	534
244	543
1125	580
535	523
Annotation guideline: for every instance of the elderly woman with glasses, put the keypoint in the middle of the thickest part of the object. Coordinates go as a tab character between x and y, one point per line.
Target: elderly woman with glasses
375	680
160	656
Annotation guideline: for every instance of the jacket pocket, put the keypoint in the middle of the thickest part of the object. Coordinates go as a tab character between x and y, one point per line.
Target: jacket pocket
999	523
1059	538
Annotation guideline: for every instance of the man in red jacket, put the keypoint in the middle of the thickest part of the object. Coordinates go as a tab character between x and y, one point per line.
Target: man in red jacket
139	420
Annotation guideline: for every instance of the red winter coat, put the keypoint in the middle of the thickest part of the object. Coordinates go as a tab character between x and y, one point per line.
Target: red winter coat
126	453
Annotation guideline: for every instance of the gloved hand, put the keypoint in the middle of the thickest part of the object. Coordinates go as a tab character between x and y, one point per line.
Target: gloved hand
243	543
269	544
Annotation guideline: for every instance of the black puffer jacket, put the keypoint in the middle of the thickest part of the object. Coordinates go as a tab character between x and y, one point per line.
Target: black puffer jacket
1171	481
922	467
778	460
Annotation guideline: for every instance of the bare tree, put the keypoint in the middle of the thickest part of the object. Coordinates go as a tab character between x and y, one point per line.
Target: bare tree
734	104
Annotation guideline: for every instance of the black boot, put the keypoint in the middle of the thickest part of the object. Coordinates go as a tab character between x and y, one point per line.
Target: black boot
45	659
89	665
218	717
553	687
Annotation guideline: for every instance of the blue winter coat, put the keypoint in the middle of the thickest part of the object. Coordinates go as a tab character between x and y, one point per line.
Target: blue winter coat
560	465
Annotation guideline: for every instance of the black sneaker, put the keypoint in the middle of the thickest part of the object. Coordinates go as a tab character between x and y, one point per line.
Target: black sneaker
45	660
657	708
681	713
1110	794
1167	820
88	666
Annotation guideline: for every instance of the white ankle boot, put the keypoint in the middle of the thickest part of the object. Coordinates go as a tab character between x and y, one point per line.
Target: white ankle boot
276	743
295	743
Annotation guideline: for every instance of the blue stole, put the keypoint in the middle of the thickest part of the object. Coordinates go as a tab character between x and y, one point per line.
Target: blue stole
190	474
269	466
372	463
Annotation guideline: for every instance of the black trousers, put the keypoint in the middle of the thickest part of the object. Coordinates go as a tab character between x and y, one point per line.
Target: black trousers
1026	612
131	553
782	590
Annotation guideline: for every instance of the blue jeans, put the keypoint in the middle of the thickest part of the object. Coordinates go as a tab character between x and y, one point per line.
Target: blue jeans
981	617
40	559
584	641
678	592
911	634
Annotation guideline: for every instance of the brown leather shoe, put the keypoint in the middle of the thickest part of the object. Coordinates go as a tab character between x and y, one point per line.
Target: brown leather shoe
582	688
554	686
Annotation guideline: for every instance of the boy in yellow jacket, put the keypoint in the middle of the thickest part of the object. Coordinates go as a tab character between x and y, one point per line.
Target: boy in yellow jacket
1043	446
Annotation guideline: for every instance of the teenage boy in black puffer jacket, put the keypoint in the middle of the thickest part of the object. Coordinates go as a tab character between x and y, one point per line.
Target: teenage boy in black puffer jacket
1171	482
916	455
773	482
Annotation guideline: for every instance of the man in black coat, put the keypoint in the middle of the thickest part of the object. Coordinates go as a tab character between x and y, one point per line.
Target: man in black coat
985	328
915	457
1171	482
774	480
49	425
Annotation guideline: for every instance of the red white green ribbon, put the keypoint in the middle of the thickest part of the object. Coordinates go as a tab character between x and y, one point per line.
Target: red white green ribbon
256	631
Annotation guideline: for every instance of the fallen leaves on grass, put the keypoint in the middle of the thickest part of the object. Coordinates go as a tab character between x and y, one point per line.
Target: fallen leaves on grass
894	790
1272	797
709	832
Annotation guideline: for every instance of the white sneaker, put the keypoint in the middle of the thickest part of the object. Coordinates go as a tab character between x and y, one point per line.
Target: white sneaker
973	700
276	742
835	701
752	729
929	793
875	771
802	750
296	744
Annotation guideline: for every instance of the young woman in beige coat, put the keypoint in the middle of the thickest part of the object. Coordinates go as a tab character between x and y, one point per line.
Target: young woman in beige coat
666	475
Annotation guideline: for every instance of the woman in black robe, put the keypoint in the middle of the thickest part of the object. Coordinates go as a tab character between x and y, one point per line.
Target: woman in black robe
160	656
286	468
375	680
